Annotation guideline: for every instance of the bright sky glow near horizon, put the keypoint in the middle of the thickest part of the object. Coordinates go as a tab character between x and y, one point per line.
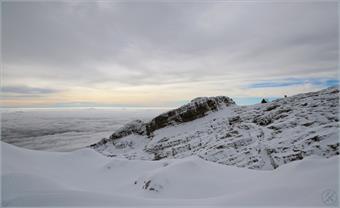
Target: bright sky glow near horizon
110	53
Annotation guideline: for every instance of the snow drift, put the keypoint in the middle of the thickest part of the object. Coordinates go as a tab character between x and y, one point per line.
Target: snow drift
87	178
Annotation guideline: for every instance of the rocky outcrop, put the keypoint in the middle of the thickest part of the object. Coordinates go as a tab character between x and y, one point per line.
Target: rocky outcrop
197	108
261	136
133	127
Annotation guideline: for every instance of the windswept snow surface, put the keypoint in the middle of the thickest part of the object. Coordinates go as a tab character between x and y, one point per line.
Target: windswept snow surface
87	178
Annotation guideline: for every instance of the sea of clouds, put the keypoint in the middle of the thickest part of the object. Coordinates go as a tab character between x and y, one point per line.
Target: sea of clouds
66	129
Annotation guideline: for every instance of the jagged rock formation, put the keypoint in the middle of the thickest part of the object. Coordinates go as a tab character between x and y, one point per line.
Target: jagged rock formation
133	127
261	136
197	108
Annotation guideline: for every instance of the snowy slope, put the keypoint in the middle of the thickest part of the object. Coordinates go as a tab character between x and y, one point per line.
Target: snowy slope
86	178
261	136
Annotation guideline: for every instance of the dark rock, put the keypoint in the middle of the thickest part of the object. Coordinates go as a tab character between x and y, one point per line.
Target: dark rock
235	119
220	147
133	127
264	101
308	124
146	184
197	108
272	107
263	120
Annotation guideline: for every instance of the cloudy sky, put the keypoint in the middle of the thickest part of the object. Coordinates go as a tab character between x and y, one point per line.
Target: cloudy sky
164	53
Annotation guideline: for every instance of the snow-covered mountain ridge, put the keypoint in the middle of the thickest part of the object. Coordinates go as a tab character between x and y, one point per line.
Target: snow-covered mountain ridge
261	136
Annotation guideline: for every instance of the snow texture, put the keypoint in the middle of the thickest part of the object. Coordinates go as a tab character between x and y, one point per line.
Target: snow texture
87	178
214	157
262	136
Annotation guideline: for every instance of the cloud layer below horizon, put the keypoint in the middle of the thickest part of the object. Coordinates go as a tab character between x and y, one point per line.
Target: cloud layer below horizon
162	54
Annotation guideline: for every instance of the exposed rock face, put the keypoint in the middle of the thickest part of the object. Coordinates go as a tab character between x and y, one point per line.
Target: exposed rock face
197	108
261	136
133	127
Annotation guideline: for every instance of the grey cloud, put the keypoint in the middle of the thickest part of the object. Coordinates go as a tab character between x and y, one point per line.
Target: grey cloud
163	43
27	90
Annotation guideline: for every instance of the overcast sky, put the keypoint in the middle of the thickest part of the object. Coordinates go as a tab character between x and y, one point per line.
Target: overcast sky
164	54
